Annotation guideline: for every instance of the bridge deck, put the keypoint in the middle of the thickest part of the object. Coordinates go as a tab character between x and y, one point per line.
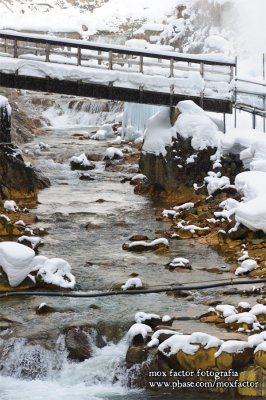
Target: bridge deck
75	67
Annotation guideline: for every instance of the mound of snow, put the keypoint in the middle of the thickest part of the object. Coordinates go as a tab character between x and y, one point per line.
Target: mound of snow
132	283
15	259
105	132
195	123
113	154
252	212
11	205
216	181
138	329
56	271
246	266
81	161
18	260
232	346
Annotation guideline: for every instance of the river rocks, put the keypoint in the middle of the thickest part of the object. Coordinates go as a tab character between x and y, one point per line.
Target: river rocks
18	180
53	273
81	163
152	320
136	355
77	344
138	237
260	355
112	153
240	233
234	354
86	177
132	284
7	228
143	245
137	179
139	334
44	309
179	262
32	242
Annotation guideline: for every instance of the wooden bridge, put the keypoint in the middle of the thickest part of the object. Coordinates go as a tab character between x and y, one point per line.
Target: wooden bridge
88	69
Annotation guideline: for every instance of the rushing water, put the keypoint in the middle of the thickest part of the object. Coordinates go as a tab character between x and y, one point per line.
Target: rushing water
88	221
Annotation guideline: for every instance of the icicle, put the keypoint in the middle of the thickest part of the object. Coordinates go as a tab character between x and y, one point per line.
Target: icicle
135	119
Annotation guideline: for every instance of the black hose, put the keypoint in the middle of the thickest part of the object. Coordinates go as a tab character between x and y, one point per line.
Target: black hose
130	292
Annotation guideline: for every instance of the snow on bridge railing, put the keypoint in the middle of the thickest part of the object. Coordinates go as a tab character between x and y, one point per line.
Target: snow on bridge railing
212	68
250	97
211	59
162	75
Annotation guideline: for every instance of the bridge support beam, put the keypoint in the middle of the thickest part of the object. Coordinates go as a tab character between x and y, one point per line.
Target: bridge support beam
95	90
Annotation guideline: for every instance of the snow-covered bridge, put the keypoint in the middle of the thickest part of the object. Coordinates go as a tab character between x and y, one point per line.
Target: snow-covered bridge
81	68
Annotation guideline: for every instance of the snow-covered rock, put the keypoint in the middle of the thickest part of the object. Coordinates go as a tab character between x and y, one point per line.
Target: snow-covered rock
142	245
32	241
132	283
246	266
138	332
56	271
105	132
216	181
16	259
112	153
11	205
81	162
179	262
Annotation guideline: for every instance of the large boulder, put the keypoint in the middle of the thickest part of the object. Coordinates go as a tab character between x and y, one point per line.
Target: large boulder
172	171
18	180
180	148
78	345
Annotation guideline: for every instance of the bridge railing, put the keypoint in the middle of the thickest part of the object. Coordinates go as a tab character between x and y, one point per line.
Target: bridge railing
216	71
250	97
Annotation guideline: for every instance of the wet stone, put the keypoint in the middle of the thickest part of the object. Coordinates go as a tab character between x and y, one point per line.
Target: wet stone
136	355
86	177
78	345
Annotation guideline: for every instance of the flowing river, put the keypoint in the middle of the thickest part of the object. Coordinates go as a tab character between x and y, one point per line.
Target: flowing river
88	221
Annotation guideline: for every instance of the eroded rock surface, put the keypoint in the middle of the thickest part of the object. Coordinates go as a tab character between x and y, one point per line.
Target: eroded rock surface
18	180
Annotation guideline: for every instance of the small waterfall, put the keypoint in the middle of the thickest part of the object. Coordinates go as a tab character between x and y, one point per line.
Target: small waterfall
50	375
22	360
69	113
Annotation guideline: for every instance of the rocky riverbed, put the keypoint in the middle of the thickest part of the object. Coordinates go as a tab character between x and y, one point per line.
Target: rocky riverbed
92	223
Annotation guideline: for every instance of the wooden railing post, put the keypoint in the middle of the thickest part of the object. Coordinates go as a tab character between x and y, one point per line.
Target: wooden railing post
254	119
231	73
47	52
201	98
141	64
15	48
79	56
202	69
110	59
172	92
141	88
99	60
171	68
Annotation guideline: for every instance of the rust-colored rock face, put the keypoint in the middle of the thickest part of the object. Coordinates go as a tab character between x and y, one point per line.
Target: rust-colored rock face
18	180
